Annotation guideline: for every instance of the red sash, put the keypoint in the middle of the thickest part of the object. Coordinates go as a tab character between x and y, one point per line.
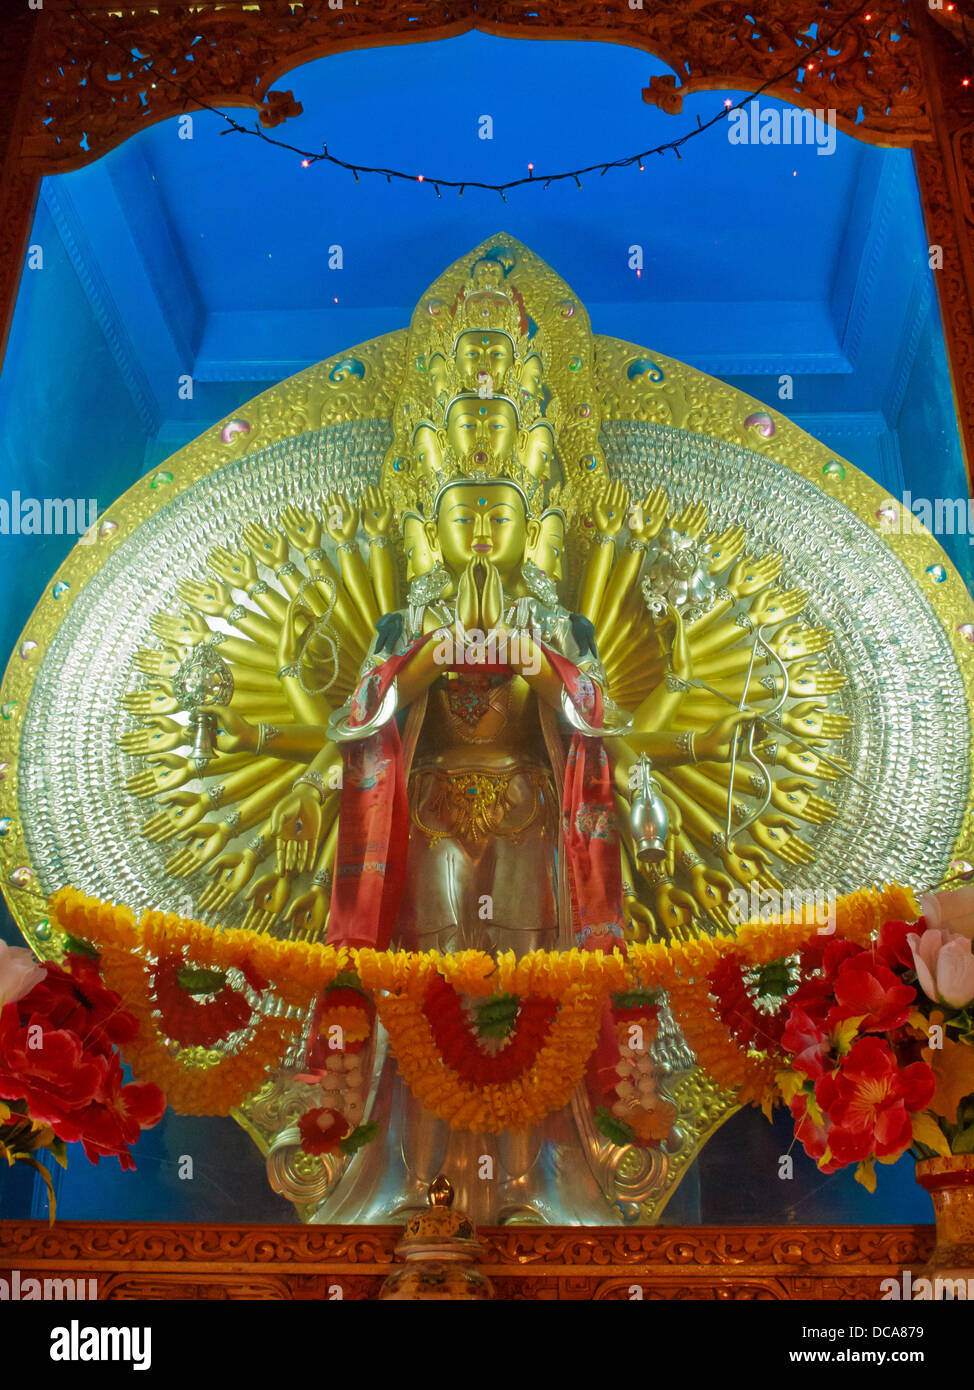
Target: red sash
373	826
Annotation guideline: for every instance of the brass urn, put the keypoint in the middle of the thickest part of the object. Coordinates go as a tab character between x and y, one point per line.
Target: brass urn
440	1249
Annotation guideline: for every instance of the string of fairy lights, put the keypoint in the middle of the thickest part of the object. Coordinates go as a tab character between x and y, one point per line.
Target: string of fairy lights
805	64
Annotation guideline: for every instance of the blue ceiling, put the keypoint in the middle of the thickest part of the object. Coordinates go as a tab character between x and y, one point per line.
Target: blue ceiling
214	250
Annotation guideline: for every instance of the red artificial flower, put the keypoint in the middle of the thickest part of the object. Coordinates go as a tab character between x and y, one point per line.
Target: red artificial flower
869	1101
865	988
892	948
49	1069
77	999
807	1041
813	1137
322	1130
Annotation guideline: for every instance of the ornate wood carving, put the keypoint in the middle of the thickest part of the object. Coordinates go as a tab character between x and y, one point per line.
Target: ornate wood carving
550	1263
91	92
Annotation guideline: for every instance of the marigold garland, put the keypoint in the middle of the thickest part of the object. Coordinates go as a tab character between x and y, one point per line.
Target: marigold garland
399	981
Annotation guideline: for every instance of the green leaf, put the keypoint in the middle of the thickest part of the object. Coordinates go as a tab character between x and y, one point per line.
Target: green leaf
75	946
59	1149
617	1131
636	999
52	1200
964	1142
201	981
359	1137
346	979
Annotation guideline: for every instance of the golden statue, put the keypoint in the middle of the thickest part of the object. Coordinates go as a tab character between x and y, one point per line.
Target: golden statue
549	677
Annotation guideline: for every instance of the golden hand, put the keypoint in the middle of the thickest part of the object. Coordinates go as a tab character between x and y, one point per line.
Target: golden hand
750	576
234	734
162	736
230	873
675	909
809	719
342	518
185	631
712	890
303	529
156	663
491	599
296	826
749	864
376	513
777	834
267	898
308	914
717	742
209	597
692	519
468	599
777	606
270	547
155	699
170	772
725	546
798	759
611	509
234	567
646	518
183	810
795	640
640	921
745	865
797	796
805	678
208	839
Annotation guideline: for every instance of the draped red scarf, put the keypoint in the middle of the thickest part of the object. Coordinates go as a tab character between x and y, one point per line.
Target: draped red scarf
373	832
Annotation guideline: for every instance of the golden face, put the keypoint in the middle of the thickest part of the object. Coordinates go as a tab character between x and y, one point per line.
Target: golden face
482	519
420	558
487	352
427	451
482	431
548	550
438	377
539	451
532	376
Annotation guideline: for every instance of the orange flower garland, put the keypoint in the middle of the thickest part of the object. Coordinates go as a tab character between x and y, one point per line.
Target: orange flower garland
398	982
545	1087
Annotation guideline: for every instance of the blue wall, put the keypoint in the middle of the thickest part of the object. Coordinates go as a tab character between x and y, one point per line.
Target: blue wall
209	258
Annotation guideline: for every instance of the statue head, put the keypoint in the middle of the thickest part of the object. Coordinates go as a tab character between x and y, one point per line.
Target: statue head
483	351
532	376
482	431
547	549
538	450
420	555
427	451
487	519
439	375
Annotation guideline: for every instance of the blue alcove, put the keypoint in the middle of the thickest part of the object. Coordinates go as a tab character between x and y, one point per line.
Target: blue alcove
188	255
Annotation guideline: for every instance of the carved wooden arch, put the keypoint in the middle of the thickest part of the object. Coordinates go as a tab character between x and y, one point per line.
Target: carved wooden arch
894	78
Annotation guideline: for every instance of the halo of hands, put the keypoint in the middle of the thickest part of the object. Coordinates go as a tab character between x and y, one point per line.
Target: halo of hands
299	821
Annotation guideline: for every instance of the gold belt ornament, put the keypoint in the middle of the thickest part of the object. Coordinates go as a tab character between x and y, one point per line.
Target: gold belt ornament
473	803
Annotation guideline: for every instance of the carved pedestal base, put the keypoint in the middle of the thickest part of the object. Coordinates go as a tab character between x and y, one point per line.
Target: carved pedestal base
155	1261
